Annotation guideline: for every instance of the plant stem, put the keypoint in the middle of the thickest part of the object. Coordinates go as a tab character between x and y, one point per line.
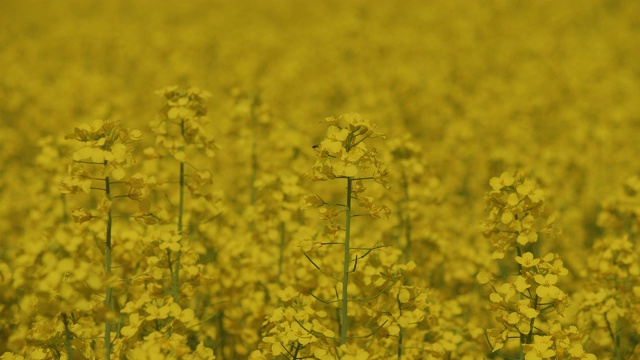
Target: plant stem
282	229
400	348
254	158
295	354
407	219
175	275
222	334
65	213
345	271
109	291
253	161
401	334
67	336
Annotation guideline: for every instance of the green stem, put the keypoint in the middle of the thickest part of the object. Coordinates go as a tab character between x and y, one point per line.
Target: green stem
67	336
618	350
295	354
254	160
614	337
65	213
345	271
407	219
221	334
532	322
109	291
254	148
175	274
400	348
281	255
401	334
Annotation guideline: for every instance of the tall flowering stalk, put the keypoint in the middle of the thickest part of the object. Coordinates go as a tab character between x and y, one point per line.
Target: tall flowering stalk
524	300
344	155
180	128
418	189
609	301
100	165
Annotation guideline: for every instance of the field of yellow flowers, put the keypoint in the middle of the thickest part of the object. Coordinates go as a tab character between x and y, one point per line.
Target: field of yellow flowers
320	180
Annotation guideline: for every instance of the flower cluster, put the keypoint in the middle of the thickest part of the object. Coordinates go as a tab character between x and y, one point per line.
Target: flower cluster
343	153
184	109
518	302
620	214
515	207
105	143
523	302
609	302
296	330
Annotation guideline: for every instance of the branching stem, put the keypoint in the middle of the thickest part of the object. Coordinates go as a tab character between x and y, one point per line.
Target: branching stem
175	274
108	301
346	270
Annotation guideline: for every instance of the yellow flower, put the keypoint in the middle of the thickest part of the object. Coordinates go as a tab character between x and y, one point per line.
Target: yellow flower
497	338
527	260
154	312
376	211
170	241
485	277
81	215
342	167
546	287
524	308
505	179
73	184
287	294
578	353
525	188
203	353
353	352
308	245
404	296
540	349
134	324
521	284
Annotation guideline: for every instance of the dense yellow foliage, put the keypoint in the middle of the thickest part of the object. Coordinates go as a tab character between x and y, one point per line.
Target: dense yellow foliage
328	179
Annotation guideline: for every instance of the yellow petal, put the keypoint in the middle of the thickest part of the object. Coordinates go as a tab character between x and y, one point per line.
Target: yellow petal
118	173
404	296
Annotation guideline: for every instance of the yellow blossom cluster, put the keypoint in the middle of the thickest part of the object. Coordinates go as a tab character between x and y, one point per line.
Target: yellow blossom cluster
521	301
515	207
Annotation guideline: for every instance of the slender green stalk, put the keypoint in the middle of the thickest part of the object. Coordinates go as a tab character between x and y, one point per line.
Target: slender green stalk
175	274
65	213
407	218
281	257
614	337
532	321
254	161
401	334
254	155
222	335
295	354
345	272
400	347
524	339
618	346
281	254
109	290
67	336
